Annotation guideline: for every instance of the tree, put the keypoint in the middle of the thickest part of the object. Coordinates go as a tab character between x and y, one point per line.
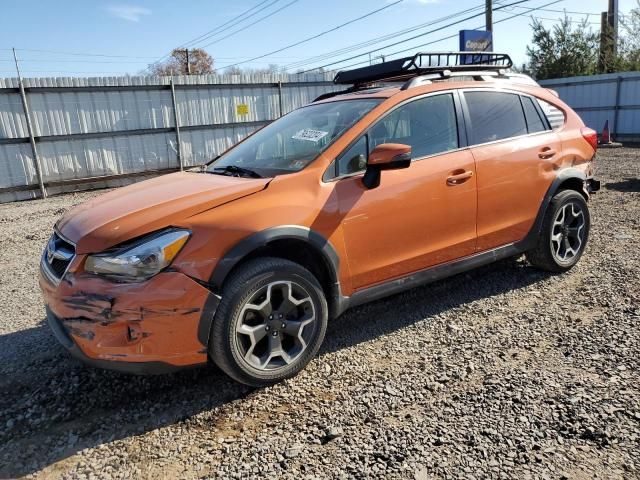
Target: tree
233	71
272	69
629	41
563	51
200	63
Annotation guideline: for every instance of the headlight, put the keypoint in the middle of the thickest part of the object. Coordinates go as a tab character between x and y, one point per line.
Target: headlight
141	260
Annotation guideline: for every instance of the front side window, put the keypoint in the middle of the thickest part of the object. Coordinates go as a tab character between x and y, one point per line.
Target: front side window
428	124
494	116
354	159
292	142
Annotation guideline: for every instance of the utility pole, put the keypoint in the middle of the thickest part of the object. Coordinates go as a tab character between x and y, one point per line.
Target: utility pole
488	15
32	139
612	15
608	37
186	51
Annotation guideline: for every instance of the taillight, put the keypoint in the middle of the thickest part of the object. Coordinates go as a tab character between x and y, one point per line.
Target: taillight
591	136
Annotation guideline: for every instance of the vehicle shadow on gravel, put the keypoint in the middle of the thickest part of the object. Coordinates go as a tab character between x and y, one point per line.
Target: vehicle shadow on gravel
424	303
53	406
627	185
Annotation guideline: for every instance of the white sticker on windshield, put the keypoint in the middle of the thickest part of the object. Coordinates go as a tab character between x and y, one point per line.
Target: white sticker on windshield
310	135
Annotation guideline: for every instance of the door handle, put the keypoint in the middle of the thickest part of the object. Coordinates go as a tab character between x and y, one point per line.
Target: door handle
459	178
546	152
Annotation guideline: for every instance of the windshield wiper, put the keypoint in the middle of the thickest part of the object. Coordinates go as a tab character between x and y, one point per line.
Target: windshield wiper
236	171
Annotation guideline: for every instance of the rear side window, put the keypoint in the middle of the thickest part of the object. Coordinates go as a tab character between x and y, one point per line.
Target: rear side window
495	116
534	122
554	114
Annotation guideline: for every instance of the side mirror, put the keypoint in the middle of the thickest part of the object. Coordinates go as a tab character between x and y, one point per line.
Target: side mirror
387	156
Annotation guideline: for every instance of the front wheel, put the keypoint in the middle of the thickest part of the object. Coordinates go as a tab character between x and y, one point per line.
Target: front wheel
564	233
270	322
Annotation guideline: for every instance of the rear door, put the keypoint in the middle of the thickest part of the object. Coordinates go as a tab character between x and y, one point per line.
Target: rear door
515	150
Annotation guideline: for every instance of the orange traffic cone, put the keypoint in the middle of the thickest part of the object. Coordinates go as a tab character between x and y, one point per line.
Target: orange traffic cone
605	138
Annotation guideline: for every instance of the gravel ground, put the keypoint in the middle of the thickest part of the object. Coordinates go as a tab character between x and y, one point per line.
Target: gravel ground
503	372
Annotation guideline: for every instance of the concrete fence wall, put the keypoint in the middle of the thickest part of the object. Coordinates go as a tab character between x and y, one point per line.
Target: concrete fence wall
97	132
597	98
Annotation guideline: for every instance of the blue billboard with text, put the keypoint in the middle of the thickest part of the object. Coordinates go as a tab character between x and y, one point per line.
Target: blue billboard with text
475	41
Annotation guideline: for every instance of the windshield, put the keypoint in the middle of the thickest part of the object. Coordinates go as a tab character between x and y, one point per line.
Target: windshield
292	142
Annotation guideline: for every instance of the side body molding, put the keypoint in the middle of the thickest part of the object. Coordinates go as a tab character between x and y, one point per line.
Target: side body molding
264	237
454	267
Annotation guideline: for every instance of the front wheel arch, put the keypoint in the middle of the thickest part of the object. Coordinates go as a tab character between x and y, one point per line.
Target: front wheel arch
298	244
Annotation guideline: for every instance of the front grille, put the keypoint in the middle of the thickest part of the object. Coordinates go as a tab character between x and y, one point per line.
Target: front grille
59	266
57	256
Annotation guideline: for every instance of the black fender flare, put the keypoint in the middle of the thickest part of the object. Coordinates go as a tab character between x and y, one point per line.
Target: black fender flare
563	175
262	238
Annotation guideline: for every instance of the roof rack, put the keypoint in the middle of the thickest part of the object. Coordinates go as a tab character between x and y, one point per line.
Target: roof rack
421	63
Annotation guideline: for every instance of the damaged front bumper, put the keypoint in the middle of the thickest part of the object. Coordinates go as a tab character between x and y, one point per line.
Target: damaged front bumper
156	326
140	368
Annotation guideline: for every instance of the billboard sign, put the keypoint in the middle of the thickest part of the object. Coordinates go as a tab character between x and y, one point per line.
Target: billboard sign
476	41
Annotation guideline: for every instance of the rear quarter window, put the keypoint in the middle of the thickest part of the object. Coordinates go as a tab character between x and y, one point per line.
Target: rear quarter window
553	114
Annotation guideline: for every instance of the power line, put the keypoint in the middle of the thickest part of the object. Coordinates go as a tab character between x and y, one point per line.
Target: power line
33	60
234	21
379	39
413	38
251	24
217	29
308	39
533	9
562	20
50	60
59	52
560	11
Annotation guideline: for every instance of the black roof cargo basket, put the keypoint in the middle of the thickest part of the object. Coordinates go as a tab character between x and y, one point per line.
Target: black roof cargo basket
422	63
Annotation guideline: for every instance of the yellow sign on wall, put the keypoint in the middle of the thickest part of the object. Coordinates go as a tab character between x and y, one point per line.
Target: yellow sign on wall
242	109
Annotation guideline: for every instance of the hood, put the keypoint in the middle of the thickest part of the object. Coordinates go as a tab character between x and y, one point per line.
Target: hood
144	207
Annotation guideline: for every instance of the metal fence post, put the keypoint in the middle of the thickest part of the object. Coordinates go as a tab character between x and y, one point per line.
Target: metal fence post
32	140
280	97
176	120
616	112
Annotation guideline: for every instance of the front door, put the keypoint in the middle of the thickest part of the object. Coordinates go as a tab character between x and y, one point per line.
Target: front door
420	216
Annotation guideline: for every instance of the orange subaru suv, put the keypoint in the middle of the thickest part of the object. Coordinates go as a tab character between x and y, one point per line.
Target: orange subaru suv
421	168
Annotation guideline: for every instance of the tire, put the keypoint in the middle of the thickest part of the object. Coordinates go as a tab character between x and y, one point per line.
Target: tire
268	302
564	233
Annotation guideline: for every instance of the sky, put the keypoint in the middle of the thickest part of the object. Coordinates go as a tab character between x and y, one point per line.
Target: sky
96	37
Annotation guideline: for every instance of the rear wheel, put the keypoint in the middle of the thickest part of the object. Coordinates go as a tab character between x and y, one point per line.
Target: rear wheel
270	323
564	234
